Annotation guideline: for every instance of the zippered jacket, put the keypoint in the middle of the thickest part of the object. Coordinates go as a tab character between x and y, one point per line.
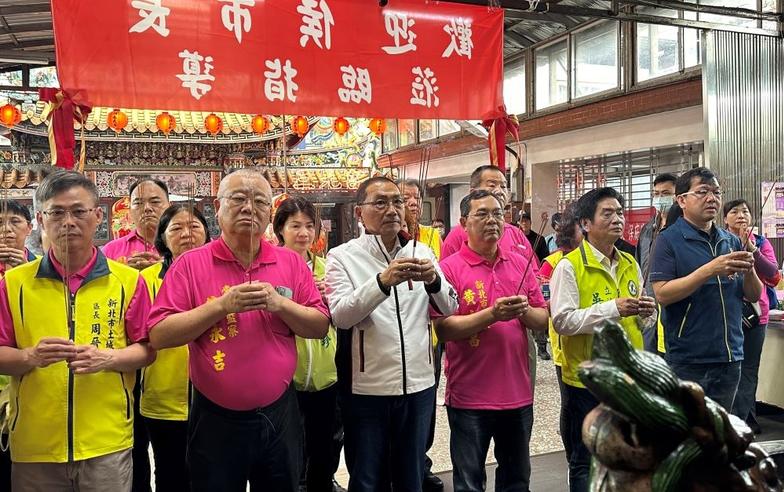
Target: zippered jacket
384	343
704	327
58	416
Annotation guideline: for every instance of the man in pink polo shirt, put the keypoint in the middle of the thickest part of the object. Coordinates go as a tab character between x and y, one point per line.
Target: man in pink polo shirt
488	385
492	179
238	302
149	198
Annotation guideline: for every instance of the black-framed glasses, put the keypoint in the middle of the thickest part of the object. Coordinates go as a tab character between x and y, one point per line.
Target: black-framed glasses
59	214
383	204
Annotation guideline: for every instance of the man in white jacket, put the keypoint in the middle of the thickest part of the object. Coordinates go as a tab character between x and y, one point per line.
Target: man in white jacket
382	290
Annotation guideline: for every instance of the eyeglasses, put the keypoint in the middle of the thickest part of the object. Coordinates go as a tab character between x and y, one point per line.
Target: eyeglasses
237	200
58	214
382	204
702	194
485	216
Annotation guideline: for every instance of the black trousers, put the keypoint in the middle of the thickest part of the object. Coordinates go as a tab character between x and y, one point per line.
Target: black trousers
141	443
227	449
323	437
169	440
5	467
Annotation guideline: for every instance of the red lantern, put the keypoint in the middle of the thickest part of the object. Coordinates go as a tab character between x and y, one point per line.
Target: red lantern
117	120
165	122
341	126
260	124
378	126
300	126
10	115
213	123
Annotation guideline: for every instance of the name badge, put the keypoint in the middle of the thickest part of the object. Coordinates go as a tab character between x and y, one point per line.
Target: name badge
284	291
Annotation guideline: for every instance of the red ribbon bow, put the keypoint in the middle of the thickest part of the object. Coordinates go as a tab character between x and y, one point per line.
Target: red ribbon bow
60	115
498	128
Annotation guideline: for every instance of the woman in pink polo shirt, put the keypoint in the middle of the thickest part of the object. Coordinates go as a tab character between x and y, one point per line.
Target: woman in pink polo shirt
165	397
295	228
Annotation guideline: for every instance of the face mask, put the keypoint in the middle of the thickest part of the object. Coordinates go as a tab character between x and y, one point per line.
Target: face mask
662	203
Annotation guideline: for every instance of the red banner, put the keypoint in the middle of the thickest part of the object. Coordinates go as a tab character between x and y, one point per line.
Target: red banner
636	219
412	59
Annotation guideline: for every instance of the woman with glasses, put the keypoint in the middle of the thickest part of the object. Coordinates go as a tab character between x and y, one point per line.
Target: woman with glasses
166	391
295	226
737	219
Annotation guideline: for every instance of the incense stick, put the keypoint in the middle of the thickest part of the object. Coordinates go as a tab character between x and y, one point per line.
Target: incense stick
533	252
751	226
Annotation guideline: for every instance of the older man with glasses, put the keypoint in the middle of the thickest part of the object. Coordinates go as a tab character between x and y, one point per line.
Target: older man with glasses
701	275
72	335
238	302
382	292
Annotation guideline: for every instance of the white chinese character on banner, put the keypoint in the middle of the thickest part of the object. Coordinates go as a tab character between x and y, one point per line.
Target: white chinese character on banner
235	18
195	76
460	42
313	12
279	83
424	88
399	27
356	85
153	15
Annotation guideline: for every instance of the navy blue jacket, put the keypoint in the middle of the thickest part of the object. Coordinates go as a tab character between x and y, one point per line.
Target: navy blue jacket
705	327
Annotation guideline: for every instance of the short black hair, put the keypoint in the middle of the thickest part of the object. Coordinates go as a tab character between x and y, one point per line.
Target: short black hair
410	182
555	219
665	178
565	237
683	183
163	223
289	207
734	203
465	203
586	205
362	190
15	208
476	176
62	181
157	182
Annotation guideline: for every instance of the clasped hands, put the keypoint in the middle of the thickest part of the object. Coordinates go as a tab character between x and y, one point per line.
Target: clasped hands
404	269
81	359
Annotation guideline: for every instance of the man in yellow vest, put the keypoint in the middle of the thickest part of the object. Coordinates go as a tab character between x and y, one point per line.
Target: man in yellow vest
594	283
72	335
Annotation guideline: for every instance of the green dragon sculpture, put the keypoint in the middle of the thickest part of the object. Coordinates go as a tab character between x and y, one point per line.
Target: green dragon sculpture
654	432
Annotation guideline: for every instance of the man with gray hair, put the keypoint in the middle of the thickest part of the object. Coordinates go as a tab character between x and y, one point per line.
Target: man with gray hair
72	334
238	302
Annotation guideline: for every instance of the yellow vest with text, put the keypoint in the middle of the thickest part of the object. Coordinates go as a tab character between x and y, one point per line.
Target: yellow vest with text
555	338
165	382
57	416
316	368
596	285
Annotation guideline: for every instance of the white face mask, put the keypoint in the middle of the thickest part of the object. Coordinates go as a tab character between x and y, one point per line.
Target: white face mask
663	203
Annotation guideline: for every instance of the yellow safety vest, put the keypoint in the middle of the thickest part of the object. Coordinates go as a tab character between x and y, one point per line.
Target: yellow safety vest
57	416
165	382
555	338
316	368
596	285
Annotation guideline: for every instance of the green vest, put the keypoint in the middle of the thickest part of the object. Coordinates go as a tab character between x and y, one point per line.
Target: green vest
596	285
316	358
57	416
555	338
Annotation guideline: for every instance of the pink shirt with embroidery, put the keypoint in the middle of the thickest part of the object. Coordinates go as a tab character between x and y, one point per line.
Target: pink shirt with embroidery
247	360
135	315
489	371
512	240
122	248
